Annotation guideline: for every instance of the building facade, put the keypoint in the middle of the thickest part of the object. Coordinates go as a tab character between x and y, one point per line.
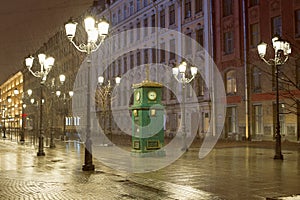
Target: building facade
12	105
239	26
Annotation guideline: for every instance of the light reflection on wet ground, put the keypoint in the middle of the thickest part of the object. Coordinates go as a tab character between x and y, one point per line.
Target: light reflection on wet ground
226	173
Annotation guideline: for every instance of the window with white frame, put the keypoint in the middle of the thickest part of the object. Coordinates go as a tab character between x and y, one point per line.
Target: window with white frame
231	120
258	119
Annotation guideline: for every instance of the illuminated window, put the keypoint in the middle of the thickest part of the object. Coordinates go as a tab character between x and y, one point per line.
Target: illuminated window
231	82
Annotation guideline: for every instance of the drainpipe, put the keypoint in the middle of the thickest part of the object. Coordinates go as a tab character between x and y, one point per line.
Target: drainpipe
247	131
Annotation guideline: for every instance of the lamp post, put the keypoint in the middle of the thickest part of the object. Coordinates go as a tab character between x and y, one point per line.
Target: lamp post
104	96
65	97
96	36
4	116
180	76
282	50
46	64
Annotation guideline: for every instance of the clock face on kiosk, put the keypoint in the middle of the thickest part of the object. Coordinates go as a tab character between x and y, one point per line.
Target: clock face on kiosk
152	95
137	95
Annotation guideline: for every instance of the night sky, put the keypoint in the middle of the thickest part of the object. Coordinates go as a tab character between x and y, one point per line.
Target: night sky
27	24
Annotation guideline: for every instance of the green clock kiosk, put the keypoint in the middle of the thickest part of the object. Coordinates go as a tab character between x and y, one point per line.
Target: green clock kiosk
147	120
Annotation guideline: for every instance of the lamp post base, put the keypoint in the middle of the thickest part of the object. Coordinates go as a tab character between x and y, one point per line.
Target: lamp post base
41	146
278	157
88	167
41	153
88	160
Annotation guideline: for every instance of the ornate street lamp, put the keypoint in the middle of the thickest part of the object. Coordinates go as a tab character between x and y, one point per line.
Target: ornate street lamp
282	50
180	76
65	97
46	64
104	97
96	33
4	117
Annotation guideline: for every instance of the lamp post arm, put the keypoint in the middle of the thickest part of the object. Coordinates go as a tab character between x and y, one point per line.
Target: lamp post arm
95	46
268	62
82	47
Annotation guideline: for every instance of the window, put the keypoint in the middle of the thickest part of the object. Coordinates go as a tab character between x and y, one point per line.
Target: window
138	34
227	7
297	23
131	8
162	19
199	85
153	52
198	6
199	38
131	35
254	35
114	19
125	63
145	3
138	5
172	49
125	12
258	119
153	23
231	120
171	14
276	26
119	16
146	60
188	44
145	27
256	79
138	58
253	2
228	42
187	9
125	38
231	82
131	64
162	53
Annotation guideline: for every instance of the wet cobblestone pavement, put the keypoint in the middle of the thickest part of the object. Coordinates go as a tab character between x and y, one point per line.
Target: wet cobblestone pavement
228	172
